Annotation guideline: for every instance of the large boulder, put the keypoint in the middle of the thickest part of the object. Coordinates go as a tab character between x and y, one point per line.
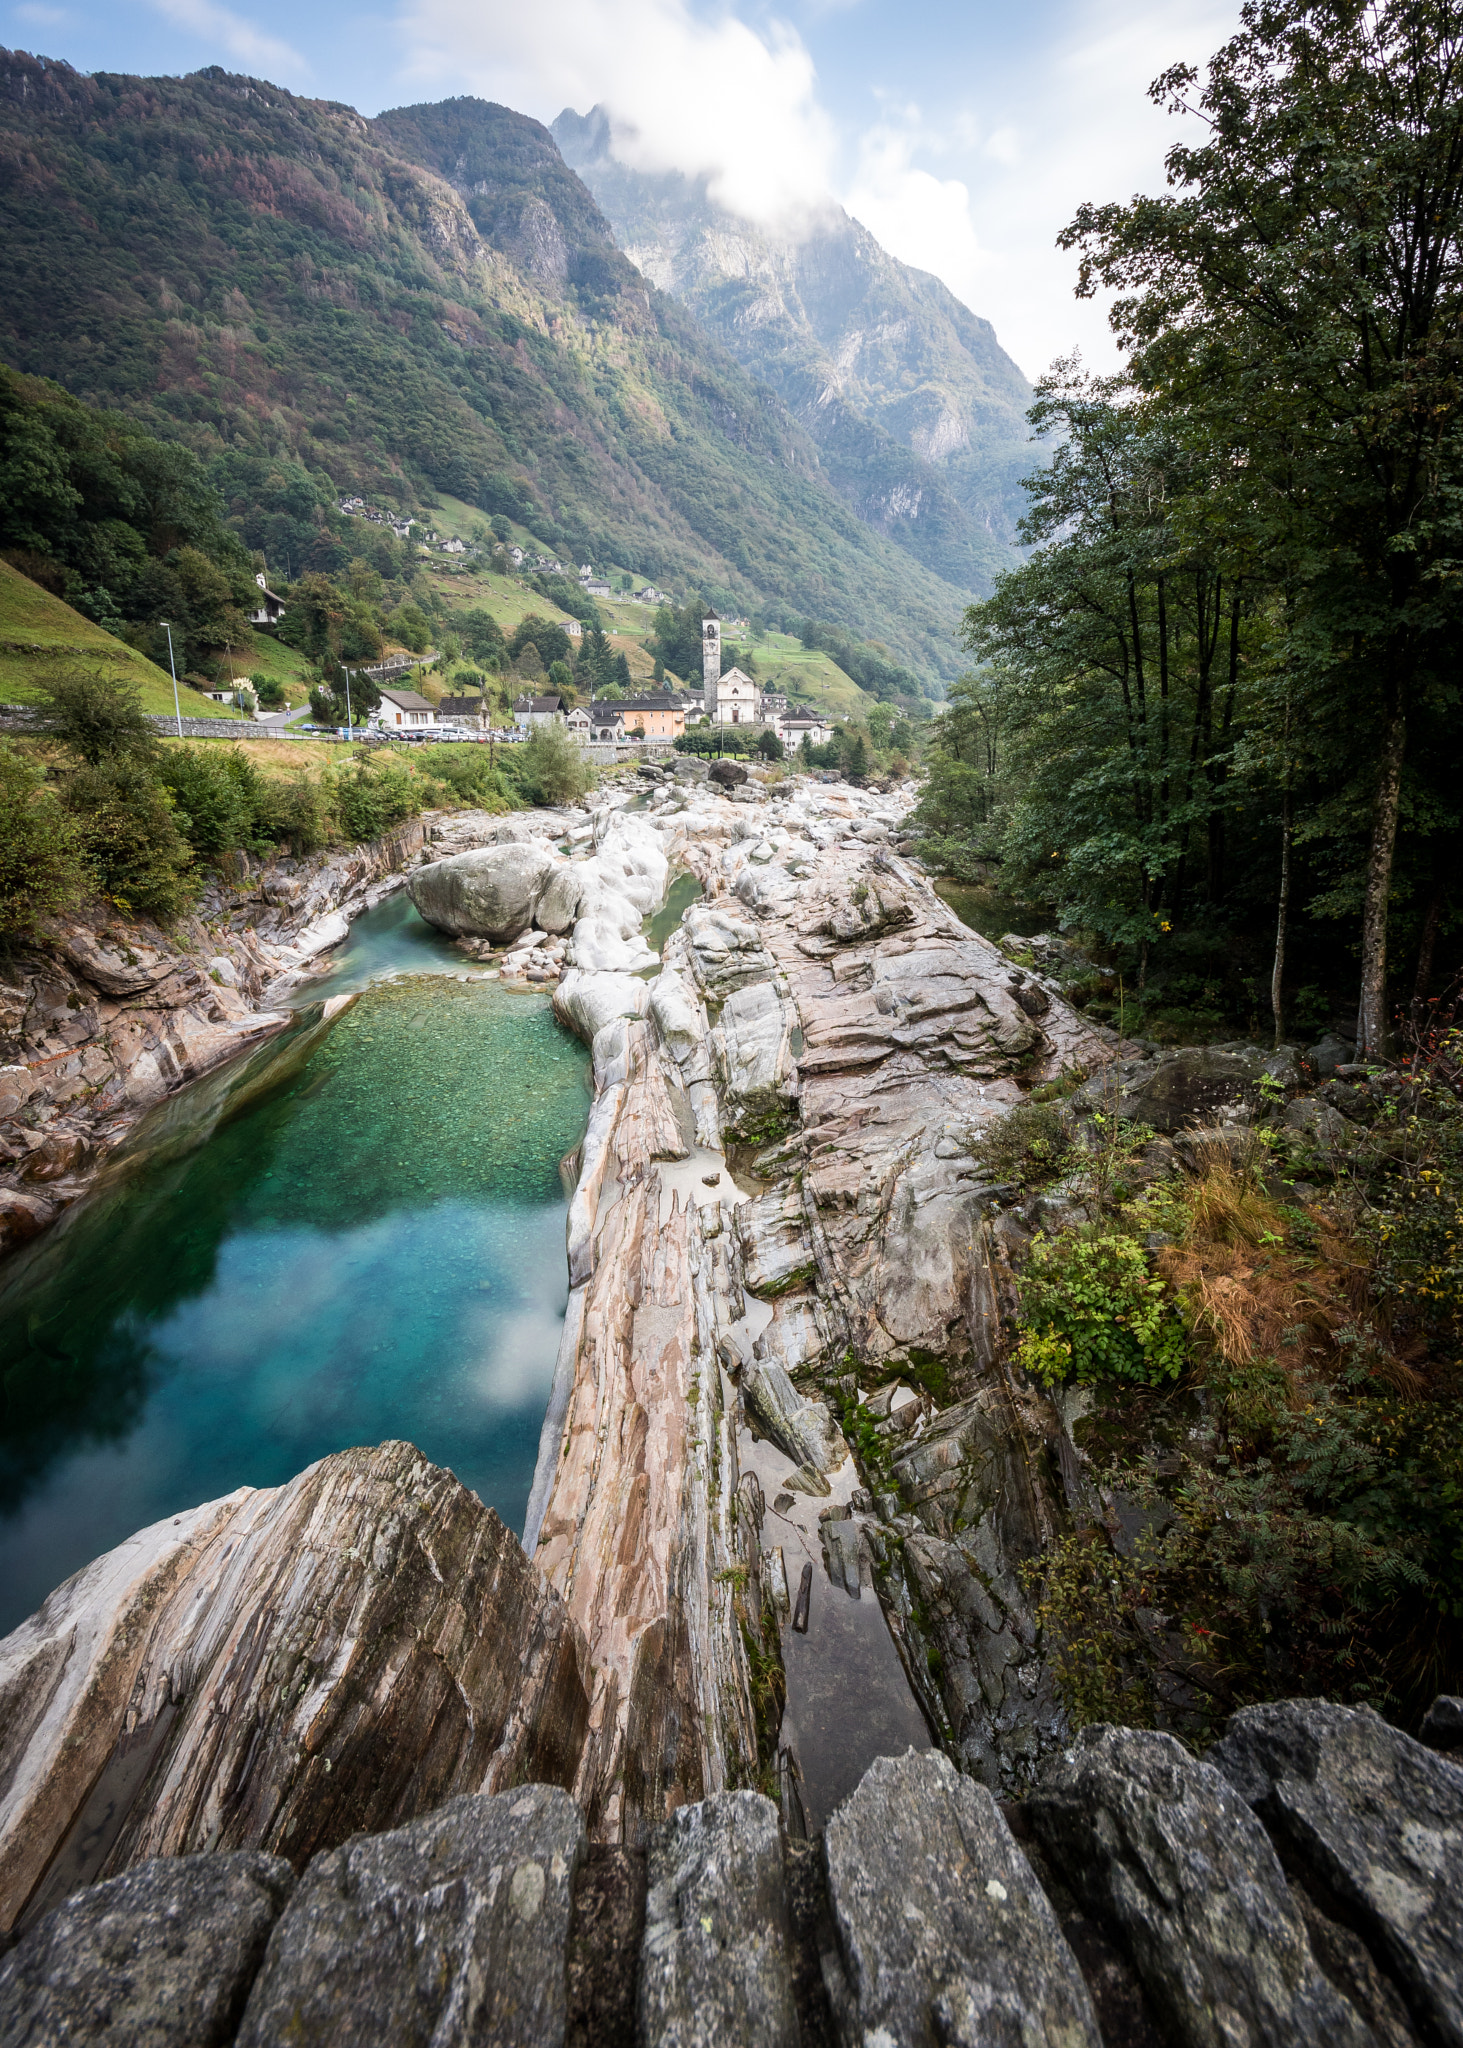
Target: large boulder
715	1962
279	1670
1378	1819
451	1931
161	1957
1200	1085
1163	1851
947	1936
490	892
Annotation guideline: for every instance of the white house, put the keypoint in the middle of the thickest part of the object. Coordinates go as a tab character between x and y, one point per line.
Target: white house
573	627
595	587
578	724
268	609
404	711
794	726
455	546
531	711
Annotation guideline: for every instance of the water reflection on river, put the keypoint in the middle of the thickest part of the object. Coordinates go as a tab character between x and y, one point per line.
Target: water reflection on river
372	1248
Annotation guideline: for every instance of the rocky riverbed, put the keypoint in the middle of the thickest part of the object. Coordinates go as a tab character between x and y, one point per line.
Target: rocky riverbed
352	1722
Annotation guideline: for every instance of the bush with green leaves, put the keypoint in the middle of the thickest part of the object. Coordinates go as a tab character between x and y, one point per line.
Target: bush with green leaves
43	862
132	838
1090	1309
219	797
1028	1145
371	797
548	768
96	716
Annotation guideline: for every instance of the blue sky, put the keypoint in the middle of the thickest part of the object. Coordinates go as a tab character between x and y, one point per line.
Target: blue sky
963	136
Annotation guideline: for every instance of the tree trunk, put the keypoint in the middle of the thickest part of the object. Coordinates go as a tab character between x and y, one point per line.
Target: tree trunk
1371	1017
1277	975
1425	949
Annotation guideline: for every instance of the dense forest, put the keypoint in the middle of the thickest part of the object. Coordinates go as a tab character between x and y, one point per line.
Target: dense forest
1215	717
307	302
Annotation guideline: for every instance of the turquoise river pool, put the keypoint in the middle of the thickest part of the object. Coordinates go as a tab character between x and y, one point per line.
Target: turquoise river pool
358	1233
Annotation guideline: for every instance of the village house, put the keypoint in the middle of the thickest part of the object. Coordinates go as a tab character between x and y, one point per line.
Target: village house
661	716
595	587
531	711
793	728
573	627
268	609
605	725
404	710
515	556
455	546
578	724
467	710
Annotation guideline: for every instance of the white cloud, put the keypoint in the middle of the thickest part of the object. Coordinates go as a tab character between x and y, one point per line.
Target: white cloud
230	33
710	98
976	193
1083	128
41	17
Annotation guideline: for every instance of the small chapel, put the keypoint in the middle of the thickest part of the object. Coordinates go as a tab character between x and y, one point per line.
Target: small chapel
730	699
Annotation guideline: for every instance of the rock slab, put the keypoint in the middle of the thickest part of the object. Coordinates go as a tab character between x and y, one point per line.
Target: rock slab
280	1670
161	1957
1378	1819
489	892
1161	1850
947	1936
450	1931
716	1961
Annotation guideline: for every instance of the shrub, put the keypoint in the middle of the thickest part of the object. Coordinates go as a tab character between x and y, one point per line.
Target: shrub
43	864
269	690
549	768
96	716
1028	1144
1090	1310
370	799
218	797
141	858
297	813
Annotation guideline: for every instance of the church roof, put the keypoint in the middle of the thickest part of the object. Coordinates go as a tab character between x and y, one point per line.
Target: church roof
710	615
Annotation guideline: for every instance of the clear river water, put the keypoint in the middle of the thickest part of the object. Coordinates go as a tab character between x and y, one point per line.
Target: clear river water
357	1233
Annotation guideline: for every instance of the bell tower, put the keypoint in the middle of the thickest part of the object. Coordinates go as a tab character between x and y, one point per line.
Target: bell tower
710	658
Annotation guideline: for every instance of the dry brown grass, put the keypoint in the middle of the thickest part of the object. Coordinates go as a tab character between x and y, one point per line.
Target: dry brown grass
1256	1295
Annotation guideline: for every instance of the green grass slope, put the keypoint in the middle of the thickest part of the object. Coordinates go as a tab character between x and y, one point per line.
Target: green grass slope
39	635
276	279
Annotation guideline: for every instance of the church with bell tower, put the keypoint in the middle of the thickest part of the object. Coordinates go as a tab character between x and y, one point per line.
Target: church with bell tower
730	699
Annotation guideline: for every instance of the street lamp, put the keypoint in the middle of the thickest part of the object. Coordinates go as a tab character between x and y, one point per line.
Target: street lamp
350	730
177	707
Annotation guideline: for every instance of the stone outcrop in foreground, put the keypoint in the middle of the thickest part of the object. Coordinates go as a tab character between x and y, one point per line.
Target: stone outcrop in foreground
278	1671
1135	1900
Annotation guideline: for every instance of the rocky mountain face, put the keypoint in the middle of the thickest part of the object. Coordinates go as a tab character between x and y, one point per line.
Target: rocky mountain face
432	302
917	412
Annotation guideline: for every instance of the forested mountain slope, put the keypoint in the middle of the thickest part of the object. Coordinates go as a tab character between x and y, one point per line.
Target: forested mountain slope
274	281
918	412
